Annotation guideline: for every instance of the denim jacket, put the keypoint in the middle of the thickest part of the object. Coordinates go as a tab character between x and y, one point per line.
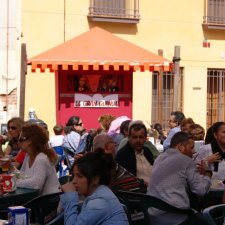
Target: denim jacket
100	208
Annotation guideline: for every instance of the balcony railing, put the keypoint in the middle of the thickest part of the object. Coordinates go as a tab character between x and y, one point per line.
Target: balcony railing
126	11
215	12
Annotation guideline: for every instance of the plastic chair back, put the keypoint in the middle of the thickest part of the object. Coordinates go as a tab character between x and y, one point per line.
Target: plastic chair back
215	214
69	156
59	150
59	220
138	204
43	208
64	179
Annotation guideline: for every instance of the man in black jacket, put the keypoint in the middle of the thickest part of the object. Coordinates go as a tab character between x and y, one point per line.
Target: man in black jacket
134	156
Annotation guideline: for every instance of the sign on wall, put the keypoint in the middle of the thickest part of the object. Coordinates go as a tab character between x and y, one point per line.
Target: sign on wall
96	101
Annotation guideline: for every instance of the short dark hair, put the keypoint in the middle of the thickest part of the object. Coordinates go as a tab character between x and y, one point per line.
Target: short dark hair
58	129
124	126
157	126
94	164
178	116
137	125
216	126
179	138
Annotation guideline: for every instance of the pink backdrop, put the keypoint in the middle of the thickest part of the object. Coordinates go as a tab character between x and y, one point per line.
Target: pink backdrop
65	98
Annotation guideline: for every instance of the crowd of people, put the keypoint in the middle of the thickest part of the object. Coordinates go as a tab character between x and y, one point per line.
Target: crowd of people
118	156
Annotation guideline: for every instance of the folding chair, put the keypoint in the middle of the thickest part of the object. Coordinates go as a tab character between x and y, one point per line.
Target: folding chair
215	214
43	208
138	204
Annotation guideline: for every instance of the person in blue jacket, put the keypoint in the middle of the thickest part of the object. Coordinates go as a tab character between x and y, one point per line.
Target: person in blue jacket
92	175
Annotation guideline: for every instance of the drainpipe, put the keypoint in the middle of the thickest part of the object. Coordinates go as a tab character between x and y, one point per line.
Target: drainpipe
7	58
64	21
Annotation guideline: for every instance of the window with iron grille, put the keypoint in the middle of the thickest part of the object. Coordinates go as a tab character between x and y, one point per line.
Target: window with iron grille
215	96
215	12
107	10
162	103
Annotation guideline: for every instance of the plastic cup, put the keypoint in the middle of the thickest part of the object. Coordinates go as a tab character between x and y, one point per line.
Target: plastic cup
5	163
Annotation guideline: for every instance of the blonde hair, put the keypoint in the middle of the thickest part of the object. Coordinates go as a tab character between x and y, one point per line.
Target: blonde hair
105	121
197	131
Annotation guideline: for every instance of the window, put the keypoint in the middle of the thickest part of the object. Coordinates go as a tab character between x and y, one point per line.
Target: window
126	11
163	106
110	7
215	96
109	83
215	12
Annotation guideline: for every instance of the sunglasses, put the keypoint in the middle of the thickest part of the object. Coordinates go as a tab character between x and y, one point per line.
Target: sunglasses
79	124
22	139
11	127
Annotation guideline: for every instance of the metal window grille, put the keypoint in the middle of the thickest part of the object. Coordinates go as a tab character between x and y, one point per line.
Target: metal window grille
215	96
215	12
167	99
114	8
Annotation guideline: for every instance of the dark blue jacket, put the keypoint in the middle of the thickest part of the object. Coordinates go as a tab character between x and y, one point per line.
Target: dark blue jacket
127	159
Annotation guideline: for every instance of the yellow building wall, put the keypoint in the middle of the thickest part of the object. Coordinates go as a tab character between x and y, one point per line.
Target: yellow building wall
194	94
162	26
141	106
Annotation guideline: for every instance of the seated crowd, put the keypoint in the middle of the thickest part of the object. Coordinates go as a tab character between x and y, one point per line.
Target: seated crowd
119	157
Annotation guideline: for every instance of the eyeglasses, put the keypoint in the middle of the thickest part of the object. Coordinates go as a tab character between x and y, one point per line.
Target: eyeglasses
11	127
22	139
79	124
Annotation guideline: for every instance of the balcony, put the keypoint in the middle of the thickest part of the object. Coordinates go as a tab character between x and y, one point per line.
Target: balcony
214	17
120	11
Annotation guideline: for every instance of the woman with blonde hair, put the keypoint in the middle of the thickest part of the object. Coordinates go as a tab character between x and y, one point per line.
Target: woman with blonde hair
198	134
14	126
105	122
38	169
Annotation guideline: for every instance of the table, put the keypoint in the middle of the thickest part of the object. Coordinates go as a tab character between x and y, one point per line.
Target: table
18	197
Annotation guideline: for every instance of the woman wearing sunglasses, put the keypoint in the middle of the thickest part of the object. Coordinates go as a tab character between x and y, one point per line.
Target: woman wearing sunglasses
75	136
14	127
38	168
92	175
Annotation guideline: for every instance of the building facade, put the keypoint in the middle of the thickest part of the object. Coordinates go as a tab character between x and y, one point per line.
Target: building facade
197	28
10	42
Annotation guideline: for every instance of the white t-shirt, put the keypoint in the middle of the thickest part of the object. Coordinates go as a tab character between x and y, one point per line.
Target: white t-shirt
56	140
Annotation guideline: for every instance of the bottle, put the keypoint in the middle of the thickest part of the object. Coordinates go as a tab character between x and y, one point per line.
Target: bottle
32	114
